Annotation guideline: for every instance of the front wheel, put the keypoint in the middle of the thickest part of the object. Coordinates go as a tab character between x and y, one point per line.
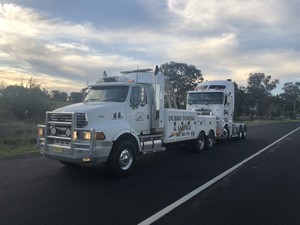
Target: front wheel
210	140
122	159
225	133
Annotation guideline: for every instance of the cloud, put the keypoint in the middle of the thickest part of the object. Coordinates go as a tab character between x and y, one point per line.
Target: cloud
222	38
54	47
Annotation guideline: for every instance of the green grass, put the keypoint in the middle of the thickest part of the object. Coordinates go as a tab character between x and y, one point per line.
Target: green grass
12	150
264	122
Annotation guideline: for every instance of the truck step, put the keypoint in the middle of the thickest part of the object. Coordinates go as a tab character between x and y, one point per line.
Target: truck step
149	151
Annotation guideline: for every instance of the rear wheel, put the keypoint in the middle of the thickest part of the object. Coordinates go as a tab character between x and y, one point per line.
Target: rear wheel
240	132
210	140
199	143
244	135
122	159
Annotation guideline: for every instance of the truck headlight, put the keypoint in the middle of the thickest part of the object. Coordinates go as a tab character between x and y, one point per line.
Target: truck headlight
40	132
75	136
53	130
87	135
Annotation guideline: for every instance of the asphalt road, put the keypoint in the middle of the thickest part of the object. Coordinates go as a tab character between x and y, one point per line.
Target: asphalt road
265	190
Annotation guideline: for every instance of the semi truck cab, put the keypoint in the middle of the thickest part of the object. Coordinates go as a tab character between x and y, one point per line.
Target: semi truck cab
217	98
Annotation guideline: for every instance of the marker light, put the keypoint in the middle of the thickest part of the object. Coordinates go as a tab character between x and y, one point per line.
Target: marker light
99	136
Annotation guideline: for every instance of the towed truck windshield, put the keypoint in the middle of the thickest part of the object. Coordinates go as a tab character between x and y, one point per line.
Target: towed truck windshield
107	94
205	98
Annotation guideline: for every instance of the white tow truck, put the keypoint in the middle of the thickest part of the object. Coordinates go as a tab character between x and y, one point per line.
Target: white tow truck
217	98
121	118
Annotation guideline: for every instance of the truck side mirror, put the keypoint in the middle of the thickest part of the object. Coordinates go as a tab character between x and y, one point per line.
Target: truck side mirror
156	70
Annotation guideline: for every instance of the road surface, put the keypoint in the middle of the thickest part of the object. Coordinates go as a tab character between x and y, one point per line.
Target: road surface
264	190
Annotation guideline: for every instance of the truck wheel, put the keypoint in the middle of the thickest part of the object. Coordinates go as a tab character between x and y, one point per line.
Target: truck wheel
210	140
199	143
244	135
240	133
225	134
122	159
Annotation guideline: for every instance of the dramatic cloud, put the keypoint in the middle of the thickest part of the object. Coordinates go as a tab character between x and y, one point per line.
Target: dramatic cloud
67	46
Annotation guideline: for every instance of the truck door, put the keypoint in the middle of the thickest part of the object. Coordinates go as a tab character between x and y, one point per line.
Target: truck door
140	110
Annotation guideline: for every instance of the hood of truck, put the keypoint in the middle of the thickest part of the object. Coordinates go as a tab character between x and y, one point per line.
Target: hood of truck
87	107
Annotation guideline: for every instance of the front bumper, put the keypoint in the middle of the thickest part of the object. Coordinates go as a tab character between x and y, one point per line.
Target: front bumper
76	151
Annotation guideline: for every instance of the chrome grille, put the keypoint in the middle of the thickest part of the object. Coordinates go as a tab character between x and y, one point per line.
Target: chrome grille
65	119
60	126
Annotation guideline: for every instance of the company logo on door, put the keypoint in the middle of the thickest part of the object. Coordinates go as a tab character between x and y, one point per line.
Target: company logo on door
139	117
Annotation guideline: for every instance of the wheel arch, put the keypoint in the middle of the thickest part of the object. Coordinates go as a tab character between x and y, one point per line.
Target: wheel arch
129	137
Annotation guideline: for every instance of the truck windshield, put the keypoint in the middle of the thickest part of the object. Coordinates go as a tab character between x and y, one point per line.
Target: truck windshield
107	94
205	98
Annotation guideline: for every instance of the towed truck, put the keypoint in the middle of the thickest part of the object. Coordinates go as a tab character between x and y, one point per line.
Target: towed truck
217	98
121	118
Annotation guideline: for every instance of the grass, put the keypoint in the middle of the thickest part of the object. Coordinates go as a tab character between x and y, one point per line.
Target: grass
12	150
17	138
264	122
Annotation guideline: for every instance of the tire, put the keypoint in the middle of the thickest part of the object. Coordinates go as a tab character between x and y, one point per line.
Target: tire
199	143
244	135
240	133
225	134
210	140
122	159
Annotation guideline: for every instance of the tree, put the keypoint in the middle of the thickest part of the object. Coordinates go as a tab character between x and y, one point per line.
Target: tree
183	78
76	97
291	97
59	96
240	106
26	102
259	87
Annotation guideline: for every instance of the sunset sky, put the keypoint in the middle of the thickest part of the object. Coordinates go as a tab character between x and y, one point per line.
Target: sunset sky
63	44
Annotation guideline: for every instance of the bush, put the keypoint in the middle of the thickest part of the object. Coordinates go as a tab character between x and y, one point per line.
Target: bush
18	133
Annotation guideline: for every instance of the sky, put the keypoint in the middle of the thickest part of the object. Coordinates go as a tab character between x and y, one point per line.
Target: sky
65	44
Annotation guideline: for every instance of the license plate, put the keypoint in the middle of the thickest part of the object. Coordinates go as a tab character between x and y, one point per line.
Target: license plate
58	150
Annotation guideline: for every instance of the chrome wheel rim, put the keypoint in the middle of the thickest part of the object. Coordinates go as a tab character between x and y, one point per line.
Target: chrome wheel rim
201	144
125	159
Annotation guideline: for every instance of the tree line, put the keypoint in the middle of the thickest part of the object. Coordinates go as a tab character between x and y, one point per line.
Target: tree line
29	101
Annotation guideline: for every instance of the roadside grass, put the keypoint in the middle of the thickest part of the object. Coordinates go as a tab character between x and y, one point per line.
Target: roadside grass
264	122
12	150
18	138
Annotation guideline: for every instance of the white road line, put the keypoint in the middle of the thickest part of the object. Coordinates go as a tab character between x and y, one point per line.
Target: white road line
185	198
